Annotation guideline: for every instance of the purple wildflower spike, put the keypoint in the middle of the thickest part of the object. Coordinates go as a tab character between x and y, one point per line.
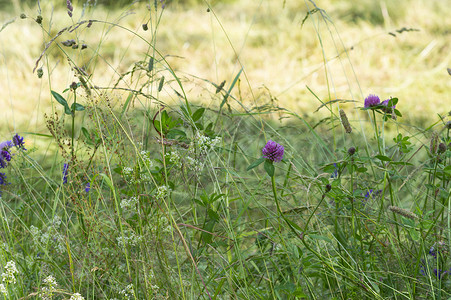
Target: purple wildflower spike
18	142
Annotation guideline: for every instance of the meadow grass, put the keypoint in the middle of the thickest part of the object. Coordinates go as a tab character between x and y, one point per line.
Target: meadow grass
148	177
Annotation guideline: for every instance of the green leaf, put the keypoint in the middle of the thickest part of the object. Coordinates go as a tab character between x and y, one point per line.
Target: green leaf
447	170
160	85
398	113
392	102
126	104
198	114
173	133
269	167
255	163
85	133
78	107
383	158
62	101
230	89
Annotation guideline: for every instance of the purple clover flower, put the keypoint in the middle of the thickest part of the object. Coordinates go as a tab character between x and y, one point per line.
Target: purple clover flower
18	142
88	187
65	167
372	100
273	151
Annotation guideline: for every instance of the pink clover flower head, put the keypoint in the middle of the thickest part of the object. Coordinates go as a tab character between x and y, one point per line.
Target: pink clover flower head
372	100
273	151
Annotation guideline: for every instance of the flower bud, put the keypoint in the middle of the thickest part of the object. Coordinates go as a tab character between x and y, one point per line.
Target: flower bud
351	151
328	188
441	148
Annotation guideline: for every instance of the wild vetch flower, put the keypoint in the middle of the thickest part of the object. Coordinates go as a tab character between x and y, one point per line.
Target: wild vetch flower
335	173
6	145
18	142
70	8
3	179
433	252
88	187
65	167
372	100
438	273
273	151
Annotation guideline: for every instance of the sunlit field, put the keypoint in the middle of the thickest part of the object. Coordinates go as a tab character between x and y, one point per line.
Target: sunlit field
225	149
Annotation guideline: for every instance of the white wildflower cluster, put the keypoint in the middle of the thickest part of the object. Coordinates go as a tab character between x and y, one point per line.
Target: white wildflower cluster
56	221
174	158
127	204
194	164
162	192
204	142
3	290
9	276
49	288
128	291
129	239
77	296
165	225
50	237
146	158
127	171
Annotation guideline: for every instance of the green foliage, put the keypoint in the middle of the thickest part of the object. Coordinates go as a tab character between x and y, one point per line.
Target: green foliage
146	200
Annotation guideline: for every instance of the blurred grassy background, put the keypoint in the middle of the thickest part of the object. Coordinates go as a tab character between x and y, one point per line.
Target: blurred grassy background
344	51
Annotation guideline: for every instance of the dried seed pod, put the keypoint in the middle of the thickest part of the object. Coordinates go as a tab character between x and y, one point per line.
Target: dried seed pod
403	212
345	122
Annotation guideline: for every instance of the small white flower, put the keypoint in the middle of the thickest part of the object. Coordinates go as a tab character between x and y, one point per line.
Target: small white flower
3	290
128	291
49	288
77	296
10	273
162	192
129	203
127	171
